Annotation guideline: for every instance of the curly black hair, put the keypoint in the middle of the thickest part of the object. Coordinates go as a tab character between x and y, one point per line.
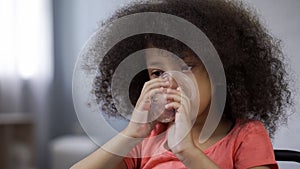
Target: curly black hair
256	73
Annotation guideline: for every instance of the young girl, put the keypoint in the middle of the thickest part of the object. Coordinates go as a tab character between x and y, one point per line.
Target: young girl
257	93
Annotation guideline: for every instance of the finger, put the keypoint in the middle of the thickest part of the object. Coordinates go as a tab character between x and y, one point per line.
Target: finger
175	97
173	91
177	92
180	108
181	117
155	84
145	100
155	80
172	105
186	102
141	111
178	97
152	92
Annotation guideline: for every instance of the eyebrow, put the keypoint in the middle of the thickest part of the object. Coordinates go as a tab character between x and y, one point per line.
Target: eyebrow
192	60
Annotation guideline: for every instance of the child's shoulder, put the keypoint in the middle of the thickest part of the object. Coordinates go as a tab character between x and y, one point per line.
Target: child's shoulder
252	145
244	130
250	125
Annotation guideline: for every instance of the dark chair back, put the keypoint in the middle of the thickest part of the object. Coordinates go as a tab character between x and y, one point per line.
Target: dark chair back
287	155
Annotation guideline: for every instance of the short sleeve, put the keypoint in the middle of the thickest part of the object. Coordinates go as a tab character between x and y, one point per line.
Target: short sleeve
131	159
255	147
144	149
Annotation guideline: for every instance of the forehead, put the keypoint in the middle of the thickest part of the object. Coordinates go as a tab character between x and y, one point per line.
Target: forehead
156	56
160	57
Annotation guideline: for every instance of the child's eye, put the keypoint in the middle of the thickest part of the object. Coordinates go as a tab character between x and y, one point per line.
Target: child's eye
156	73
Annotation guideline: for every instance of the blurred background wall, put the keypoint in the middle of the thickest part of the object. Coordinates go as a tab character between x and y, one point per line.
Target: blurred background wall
46	98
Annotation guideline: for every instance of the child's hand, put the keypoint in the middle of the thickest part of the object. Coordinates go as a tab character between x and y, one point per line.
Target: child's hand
179	135
140	124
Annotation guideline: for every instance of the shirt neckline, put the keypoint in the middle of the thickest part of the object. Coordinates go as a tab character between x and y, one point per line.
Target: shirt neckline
207	150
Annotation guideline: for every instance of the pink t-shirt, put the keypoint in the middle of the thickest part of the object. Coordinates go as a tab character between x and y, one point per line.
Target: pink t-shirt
245	146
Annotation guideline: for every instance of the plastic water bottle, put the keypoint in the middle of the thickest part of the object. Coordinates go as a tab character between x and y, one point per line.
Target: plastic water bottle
158	101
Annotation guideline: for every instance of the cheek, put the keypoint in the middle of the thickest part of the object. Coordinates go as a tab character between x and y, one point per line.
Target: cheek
205	96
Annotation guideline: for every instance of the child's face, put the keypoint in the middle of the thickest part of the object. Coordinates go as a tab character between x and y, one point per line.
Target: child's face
158	63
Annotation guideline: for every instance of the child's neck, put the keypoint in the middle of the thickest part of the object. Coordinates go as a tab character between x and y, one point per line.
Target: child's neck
221	131
199	123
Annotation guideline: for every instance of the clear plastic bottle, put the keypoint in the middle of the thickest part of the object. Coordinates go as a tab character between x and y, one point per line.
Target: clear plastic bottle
158	101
